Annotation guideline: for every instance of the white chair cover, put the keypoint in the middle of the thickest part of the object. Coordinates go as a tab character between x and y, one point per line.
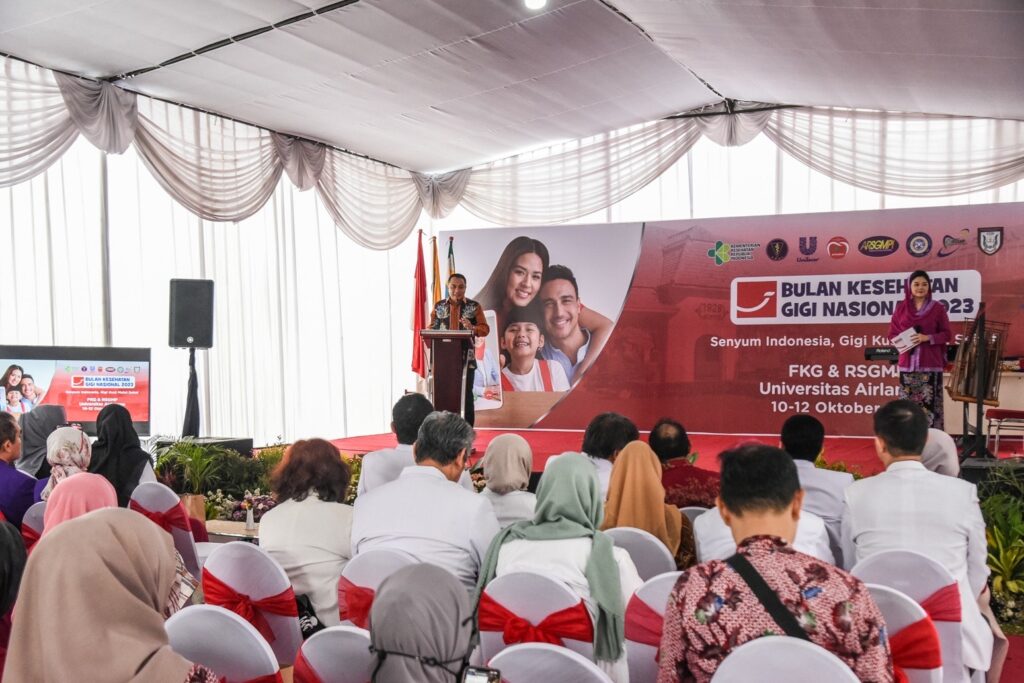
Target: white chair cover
251	571
643	665
650	555
919	577
155	497
899	611
222	641
340	654
543	662
782	658
369	569
33	518
531	597
692	512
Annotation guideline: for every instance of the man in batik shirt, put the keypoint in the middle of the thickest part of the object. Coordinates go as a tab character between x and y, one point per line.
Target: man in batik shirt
712	610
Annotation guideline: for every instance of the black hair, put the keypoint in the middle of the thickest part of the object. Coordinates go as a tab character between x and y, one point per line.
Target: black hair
458	275
8	428
522	314
919	273
557	272
757	477
669	440
607	434
902	426
803	436
442	436
408	414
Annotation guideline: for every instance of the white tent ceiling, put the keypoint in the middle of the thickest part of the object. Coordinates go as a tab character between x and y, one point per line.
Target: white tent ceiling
432	85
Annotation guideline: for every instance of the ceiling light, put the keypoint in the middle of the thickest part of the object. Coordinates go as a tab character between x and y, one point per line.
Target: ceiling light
535	4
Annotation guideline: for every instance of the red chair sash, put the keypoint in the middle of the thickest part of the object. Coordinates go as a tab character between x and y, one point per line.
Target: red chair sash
572	623
269	678
943	604
30	535
219	593
303	671
174	518
354	602
915	647
643	624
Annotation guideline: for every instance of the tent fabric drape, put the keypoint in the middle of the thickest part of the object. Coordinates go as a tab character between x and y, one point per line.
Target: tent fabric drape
223	170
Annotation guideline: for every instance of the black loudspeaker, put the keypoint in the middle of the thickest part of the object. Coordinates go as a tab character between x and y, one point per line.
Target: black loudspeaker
191	324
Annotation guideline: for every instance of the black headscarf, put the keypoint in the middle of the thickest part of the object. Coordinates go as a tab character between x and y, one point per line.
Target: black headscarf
12	563
36	426
117	454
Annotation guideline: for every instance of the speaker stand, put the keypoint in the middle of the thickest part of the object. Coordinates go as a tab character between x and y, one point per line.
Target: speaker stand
191	424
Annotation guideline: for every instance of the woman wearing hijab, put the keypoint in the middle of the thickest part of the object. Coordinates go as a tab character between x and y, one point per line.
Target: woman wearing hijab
12	563
36	426
76	496
68	452
636	498
107	625
117	454
421	612
507	463
921	366
563	542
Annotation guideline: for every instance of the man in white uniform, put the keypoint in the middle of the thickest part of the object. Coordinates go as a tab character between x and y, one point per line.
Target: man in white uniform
803	438
424	512
909	508
380	467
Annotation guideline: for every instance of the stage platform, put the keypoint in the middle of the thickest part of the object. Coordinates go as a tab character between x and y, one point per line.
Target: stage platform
857	452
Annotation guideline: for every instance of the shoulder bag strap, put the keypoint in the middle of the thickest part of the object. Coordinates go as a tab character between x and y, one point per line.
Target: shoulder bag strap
767	597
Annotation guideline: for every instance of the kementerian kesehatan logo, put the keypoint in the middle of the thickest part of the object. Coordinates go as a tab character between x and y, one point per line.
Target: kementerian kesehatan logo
724	252
990	240
919	244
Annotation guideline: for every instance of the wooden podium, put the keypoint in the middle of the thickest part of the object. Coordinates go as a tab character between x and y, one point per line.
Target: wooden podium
448	359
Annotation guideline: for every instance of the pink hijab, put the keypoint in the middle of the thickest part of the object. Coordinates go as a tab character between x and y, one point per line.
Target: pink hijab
75	496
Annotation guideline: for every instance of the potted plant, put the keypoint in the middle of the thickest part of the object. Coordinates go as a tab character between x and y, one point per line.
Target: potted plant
190	470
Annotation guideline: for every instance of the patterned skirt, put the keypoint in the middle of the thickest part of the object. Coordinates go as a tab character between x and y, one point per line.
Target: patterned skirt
924	389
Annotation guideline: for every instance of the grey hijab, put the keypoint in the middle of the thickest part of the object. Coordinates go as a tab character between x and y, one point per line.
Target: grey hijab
36	425
507	464
422	612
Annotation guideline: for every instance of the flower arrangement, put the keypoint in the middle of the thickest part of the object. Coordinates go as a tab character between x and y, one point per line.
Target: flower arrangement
222	506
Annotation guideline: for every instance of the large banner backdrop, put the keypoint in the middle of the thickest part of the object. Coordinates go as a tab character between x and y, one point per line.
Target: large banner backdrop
728	325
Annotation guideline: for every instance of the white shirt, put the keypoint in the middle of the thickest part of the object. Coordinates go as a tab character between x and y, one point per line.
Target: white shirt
715	542
426	515
514	506
909	508
823	496
532	381
601	465
939	454
566	561
380	467
311	540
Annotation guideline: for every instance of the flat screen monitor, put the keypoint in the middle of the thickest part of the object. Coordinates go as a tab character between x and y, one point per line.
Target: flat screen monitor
82	379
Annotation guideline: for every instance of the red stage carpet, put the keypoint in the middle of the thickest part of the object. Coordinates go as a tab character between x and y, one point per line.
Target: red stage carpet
857	452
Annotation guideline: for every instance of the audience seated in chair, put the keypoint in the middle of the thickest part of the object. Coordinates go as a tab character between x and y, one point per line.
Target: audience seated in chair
606	435
939	454
563	542
68	452
117	453
309	532
383	466
15	486
714	540
507	464
713	609
636	498
75	496
685	484
421	627
12	563
425	512
36	426
803	438
909	508
108	625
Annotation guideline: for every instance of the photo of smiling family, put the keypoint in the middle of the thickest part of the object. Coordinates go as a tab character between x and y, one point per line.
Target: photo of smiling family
550	306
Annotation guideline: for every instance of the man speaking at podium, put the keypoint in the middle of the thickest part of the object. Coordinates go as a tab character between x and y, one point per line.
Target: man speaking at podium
459	313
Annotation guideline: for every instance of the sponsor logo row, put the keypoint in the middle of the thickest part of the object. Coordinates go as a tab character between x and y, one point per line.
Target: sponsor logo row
919	244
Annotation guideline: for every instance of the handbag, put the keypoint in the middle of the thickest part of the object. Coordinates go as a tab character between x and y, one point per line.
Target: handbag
309	622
